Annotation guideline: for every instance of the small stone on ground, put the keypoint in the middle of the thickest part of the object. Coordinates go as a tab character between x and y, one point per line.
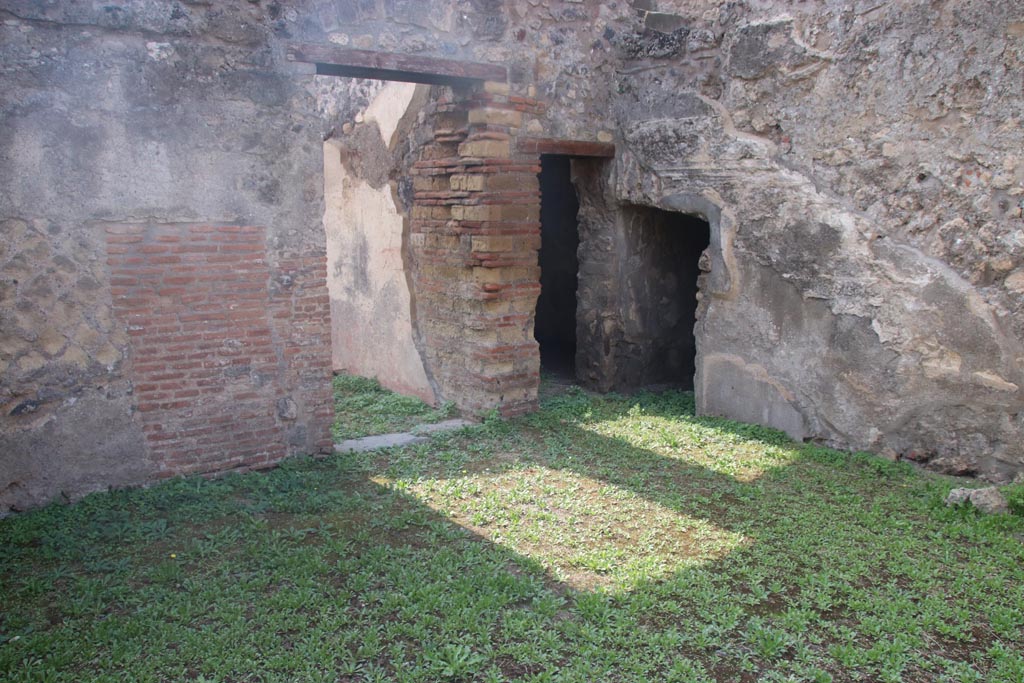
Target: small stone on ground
372	443
988	500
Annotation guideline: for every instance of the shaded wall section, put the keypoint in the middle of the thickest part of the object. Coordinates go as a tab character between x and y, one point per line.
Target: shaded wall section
660	270
372	332
555	323
639	274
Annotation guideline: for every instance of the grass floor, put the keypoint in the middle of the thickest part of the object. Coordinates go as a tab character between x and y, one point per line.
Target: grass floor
601	539
362	408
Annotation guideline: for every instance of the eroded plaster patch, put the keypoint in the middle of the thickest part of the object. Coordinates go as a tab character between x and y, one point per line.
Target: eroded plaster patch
371	322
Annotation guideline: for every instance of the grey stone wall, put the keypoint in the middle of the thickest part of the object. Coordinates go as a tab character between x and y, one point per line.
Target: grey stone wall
859	164
863	164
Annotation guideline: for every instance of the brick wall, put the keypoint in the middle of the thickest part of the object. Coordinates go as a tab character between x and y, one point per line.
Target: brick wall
229	352
475	233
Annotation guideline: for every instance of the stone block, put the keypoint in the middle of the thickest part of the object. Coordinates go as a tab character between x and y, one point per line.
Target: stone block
477	212
500	149
988	500
482	275
496	88
432	212
517	182
515	335
663	22
467	183
51	341
519	212
496	117
445	242
518	244
422	183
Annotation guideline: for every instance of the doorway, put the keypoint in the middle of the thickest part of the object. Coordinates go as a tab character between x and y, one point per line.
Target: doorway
662	269
555	323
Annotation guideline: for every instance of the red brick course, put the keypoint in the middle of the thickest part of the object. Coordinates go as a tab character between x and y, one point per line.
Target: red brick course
230	353
475	236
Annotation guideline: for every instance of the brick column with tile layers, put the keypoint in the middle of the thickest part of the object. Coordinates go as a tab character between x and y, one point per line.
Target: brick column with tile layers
475	235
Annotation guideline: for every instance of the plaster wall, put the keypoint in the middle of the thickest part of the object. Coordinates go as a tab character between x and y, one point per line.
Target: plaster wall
371	309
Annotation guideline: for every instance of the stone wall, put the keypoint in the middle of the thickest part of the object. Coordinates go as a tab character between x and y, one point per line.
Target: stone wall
858	163
860	169
163	304
166	117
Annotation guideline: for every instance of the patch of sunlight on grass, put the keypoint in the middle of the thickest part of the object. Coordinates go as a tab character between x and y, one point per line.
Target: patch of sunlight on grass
586	533
745	454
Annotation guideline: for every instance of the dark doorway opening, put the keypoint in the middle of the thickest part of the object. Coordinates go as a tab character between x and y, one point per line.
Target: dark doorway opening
663	264
555	323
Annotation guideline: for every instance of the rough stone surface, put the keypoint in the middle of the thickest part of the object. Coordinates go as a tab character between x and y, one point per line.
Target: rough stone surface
443	426
373	443
859	167
987	500
418	434
853	265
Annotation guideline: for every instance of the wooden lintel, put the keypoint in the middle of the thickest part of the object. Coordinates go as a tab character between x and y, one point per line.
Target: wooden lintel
332	60
569	148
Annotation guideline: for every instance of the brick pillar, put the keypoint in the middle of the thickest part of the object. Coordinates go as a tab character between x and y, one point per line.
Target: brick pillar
475	233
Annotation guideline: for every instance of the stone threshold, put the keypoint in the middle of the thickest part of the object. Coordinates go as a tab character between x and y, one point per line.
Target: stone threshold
418	434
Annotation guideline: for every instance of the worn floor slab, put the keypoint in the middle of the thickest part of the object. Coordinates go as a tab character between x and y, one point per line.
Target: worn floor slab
419	434
444	426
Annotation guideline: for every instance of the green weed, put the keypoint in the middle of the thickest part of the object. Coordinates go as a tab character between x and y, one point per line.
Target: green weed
362	407
601	538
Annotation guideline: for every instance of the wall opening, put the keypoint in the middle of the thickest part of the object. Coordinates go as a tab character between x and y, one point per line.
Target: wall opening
661	267
372	331
555	323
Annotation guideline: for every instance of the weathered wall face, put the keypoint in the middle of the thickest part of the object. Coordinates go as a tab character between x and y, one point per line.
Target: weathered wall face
860	170
163	307
858	163
371	309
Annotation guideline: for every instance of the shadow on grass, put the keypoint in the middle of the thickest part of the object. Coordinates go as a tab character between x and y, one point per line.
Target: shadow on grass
522	551
842	563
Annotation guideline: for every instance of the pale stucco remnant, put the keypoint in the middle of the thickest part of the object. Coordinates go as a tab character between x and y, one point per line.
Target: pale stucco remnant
371	318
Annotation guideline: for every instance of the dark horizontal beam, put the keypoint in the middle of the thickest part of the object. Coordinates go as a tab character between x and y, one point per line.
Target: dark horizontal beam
389	75
569	148
331	60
